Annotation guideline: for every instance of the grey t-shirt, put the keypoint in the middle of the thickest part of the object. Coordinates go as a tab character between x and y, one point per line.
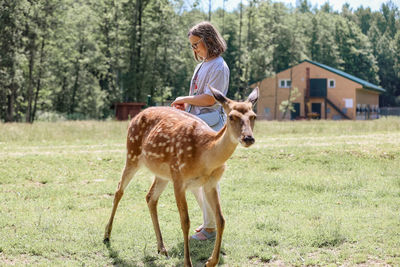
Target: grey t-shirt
214	73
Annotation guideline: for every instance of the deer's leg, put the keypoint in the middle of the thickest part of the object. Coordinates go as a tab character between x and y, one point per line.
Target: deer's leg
185	222
127	176
211	194
154	193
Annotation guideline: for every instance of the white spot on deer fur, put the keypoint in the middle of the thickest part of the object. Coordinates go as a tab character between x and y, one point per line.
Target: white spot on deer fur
154	145
181	166
172	149
167	149
137	137
180	151
129	156
178	144
189	148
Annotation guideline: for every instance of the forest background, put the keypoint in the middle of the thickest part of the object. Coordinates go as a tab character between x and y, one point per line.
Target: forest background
74	59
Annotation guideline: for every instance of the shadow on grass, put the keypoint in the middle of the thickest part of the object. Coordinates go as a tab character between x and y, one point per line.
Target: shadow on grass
200	251
116	259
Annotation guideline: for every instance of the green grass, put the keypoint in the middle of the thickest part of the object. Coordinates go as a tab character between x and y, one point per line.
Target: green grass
322	193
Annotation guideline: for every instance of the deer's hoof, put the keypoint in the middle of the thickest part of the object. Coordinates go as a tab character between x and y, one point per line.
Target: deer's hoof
210	263
163	251
106	240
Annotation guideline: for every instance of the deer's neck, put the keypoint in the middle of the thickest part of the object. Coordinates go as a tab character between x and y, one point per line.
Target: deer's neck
222	147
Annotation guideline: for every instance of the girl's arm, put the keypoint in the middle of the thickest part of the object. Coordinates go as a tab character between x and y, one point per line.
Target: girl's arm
197	100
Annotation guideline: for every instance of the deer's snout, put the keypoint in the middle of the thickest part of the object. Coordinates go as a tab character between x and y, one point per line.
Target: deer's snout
248	140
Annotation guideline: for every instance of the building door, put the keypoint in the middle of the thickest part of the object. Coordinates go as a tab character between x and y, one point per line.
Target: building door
296	113
316	108
318	87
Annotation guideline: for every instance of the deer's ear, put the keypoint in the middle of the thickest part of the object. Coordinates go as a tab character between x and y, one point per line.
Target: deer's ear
253	97
219	96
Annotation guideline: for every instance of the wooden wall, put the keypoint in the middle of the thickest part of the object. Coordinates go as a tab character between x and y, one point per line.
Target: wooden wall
345	91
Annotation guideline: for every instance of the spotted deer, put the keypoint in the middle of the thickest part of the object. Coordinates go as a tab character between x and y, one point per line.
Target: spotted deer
180	148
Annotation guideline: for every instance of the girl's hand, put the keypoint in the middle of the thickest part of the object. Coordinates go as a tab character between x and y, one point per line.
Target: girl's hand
179	100
179	103
179	106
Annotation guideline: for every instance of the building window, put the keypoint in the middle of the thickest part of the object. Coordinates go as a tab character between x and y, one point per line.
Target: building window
331	83
285	83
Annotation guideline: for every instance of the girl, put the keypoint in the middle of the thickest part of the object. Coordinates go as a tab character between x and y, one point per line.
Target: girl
207	45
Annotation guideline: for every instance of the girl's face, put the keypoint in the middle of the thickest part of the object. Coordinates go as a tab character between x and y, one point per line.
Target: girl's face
198	46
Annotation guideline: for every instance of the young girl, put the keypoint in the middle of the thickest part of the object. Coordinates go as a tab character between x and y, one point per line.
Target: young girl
207	45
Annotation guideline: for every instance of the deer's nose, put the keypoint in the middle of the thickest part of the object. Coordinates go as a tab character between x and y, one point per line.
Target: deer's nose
249	140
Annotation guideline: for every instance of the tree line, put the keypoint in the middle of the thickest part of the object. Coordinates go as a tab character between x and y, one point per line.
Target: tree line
76	59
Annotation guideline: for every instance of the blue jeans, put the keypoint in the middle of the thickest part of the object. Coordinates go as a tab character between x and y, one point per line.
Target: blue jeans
216	120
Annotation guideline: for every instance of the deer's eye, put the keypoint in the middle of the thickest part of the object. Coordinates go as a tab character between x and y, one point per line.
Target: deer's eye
232	118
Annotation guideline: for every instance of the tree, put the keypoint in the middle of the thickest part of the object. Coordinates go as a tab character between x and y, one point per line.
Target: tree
363	18
326	8
40	18
78	58
396	49
287	105
262	46
303	6
355	50
11	51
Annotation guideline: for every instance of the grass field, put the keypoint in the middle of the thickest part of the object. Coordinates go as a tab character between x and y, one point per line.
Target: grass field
320	193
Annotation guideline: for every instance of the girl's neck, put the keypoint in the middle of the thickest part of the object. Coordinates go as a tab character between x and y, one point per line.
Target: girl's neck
209	59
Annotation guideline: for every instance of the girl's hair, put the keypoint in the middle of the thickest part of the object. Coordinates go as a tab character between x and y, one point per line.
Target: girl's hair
213	41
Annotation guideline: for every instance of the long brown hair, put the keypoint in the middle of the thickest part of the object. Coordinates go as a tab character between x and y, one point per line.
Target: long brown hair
212	39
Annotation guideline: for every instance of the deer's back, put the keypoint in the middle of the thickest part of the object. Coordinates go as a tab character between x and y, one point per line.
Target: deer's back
167	140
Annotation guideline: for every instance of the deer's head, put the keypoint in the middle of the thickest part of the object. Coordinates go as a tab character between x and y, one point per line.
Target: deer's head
241	116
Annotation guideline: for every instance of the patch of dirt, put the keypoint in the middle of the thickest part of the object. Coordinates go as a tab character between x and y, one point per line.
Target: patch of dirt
21	260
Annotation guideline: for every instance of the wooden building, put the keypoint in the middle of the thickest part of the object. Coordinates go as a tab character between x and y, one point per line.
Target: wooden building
323	92
127	110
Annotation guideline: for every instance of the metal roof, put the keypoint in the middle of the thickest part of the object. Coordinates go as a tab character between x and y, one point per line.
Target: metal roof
365	84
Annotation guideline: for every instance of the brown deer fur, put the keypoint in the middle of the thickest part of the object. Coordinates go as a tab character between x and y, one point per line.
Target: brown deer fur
179	147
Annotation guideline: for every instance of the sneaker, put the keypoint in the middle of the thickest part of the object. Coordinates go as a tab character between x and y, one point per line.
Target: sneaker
204	235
